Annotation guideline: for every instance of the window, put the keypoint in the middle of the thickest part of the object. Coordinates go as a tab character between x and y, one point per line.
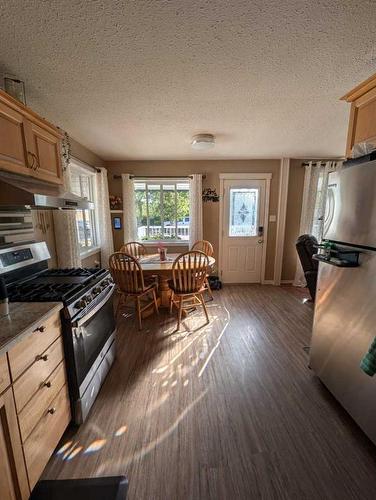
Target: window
162	210
83	184
243	212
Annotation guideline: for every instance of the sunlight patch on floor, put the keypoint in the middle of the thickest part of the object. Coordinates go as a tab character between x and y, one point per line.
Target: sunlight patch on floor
217	343
64	448
121	431
95	446
74	453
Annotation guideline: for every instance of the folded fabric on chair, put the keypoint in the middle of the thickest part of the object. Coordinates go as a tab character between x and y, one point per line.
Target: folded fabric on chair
368	363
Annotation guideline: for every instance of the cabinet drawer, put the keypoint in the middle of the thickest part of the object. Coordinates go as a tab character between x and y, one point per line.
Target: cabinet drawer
26	352
4	373
33	379
44	438
41	401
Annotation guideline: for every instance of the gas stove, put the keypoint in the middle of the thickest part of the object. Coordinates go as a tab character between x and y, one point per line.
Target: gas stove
75	287
87	318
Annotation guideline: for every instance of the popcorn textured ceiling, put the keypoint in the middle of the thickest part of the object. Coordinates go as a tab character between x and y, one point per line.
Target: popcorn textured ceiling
137	79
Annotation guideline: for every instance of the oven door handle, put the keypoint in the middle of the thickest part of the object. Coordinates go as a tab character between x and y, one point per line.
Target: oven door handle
81	321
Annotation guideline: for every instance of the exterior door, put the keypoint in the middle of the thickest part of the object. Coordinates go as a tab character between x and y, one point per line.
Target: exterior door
242	231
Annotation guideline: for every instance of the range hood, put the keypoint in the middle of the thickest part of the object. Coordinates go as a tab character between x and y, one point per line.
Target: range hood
16	190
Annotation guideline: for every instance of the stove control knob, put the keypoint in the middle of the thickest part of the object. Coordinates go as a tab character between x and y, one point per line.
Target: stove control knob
80	304
97	290
87	299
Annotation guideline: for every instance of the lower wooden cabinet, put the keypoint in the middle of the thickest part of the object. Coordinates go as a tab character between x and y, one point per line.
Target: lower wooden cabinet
45	436
13	478
4	373
34	407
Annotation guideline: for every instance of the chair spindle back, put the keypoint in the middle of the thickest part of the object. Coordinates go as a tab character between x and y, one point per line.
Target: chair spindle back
134	248
189	271
203	246
126	272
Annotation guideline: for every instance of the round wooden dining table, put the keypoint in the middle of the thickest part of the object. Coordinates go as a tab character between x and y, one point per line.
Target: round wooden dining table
152	265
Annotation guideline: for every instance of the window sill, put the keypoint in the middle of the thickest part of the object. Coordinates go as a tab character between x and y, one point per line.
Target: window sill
90	252
165	243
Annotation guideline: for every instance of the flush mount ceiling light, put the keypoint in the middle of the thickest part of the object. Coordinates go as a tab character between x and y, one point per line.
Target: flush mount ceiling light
202	142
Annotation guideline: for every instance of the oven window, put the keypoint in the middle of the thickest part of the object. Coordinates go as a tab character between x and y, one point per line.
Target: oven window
90	338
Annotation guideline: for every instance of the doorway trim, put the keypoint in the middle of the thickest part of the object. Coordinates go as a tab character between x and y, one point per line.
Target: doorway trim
281	219
251	176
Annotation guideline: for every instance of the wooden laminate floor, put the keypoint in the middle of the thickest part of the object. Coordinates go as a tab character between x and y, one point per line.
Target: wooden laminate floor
228	411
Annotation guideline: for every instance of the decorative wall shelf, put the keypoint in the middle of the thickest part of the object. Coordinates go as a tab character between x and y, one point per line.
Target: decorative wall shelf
116	211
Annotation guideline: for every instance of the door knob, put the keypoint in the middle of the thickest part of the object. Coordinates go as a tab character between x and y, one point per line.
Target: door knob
260	241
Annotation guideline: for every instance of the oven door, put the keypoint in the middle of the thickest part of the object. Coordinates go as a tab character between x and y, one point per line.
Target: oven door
92	335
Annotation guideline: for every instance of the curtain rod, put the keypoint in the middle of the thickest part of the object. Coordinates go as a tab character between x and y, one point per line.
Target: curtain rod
85	165
158	177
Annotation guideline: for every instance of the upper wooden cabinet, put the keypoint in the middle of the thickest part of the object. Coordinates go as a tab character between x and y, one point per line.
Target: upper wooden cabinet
29	145
12	141
362	126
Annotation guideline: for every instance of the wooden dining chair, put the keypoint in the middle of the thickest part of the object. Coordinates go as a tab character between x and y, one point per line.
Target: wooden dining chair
134	248
138	250
127	274
187	285
206	247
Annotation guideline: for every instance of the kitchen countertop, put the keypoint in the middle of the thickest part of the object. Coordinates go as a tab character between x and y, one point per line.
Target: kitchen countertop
22	319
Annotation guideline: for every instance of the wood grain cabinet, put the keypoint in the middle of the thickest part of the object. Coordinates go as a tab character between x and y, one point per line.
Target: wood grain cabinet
34	406
13	479
362	126
13	154
29	145
44	148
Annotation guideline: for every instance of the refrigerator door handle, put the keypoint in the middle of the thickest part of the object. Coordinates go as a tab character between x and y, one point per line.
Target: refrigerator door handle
334	261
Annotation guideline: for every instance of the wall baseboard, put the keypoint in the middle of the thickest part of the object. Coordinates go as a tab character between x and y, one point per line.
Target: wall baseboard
267	282
287	282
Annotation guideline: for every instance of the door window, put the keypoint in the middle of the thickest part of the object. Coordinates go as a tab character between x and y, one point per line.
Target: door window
243	215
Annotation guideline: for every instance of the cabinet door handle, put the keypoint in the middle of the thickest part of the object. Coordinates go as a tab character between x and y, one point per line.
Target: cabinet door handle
42	358
51	410
37	164
40	329
27	160
47	384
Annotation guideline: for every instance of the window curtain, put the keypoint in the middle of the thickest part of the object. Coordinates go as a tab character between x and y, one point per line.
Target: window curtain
66	237
312	217
195	209
104	217
129	209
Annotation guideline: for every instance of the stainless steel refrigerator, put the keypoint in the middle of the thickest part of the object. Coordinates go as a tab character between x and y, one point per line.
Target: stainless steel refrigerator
345	309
